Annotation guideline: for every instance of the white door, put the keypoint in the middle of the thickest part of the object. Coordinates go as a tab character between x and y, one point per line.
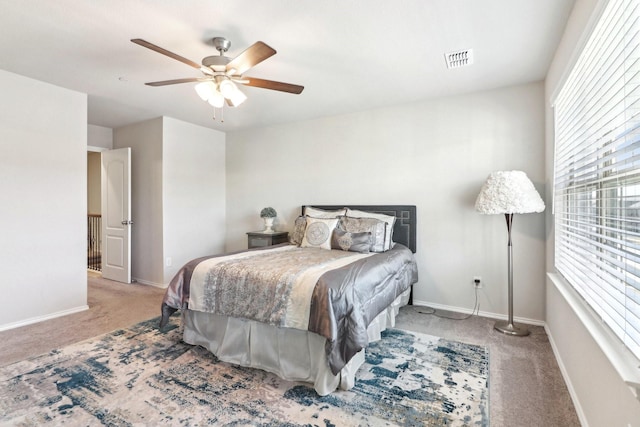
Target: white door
116	215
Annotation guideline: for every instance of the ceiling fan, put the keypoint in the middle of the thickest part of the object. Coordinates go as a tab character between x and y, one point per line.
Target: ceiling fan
221	74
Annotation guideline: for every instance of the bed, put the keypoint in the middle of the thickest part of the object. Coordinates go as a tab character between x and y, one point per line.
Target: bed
297	309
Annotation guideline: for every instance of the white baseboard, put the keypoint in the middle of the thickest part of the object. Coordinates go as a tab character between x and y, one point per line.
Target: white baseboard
148	283
480	313
43	318
567	379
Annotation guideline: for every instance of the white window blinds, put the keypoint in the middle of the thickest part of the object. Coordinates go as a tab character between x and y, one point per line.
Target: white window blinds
597	172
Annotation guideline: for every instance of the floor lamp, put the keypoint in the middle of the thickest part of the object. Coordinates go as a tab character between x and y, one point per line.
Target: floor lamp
508	193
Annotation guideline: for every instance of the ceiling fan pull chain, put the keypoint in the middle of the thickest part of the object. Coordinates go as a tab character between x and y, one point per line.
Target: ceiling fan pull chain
221	114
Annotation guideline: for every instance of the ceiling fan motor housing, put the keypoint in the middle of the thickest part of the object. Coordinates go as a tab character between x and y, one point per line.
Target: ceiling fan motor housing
216	62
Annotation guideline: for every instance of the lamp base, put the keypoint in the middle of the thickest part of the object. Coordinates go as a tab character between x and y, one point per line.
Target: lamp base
510	329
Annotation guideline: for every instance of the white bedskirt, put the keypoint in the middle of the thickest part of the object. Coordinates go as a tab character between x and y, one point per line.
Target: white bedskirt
291	354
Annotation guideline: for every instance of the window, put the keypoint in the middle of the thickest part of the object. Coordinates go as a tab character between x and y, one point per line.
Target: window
597	172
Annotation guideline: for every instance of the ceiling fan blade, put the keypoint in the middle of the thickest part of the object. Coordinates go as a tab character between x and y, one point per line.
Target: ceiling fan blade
270	84
176	81
175	56
252	56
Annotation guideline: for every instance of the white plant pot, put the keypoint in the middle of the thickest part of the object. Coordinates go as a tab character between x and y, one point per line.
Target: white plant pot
268	224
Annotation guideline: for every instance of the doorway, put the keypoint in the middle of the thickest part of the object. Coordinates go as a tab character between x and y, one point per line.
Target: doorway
94	211
109	212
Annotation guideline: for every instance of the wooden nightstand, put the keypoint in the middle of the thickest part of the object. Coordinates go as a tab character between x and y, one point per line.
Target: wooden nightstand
259	239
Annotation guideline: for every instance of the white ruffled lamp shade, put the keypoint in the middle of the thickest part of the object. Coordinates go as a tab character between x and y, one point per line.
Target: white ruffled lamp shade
508	192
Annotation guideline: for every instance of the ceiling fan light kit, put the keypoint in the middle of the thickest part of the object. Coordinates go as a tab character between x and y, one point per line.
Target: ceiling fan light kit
227	88
237	98
216	92
208	91
217	100
205	90
222	74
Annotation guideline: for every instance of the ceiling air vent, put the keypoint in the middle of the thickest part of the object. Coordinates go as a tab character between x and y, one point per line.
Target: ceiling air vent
459	58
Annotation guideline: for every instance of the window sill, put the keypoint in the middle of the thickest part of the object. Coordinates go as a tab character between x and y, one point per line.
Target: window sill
623	361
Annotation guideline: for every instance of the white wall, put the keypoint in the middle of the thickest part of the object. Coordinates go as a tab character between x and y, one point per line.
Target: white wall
193	193
43	178
177	194
600	395
99	136
145	140
435	154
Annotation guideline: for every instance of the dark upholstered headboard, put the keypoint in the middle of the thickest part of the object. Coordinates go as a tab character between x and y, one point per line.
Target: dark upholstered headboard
404	230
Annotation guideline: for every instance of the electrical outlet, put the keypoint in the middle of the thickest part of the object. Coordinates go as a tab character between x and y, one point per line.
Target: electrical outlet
477	282
168	262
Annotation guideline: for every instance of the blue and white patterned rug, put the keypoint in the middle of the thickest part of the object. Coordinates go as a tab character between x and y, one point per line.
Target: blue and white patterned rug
141	376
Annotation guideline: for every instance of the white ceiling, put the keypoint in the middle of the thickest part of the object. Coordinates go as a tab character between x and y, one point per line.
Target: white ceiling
349	55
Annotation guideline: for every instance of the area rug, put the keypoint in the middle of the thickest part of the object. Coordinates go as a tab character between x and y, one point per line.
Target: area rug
143	376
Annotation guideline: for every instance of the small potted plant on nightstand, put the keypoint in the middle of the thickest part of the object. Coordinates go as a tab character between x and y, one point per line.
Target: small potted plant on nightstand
268	215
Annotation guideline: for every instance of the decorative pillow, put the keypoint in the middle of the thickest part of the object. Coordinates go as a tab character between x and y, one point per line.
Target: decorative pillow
354	242
358	225
389	219
321	213
297	234
318	232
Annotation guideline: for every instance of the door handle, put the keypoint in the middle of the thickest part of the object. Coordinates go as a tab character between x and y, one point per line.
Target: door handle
127	222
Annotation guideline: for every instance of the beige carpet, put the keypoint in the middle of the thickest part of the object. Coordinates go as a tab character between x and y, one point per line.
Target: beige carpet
112	305
526	387
525	384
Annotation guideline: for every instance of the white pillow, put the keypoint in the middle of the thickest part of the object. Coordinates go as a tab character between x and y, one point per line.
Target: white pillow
321	213
318	232
390	220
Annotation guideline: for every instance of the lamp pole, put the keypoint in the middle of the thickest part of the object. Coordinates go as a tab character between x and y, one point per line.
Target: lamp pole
508	327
